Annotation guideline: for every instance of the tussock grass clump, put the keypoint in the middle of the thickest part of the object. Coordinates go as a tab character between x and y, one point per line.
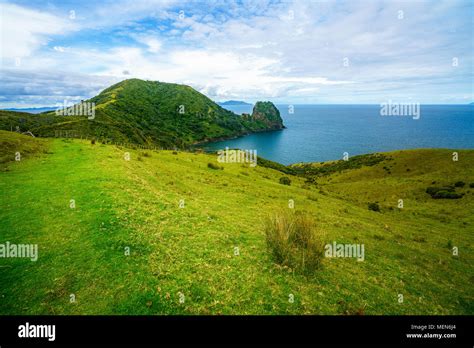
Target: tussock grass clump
284	180
294	241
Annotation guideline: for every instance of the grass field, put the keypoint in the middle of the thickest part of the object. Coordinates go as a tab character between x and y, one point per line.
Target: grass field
208	254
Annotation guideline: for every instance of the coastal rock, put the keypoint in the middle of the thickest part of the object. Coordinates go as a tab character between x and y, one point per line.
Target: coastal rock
267	113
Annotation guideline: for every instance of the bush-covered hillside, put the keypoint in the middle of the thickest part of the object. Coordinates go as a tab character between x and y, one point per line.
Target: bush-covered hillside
145	112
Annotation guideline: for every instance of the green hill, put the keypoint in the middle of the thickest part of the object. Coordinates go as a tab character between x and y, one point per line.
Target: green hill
183	220
145	112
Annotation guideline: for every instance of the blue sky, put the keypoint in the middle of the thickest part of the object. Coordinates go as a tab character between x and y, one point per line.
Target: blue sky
300	51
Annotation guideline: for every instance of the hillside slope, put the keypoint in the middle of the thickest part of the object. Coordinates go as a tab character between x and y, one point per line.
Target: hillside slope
146	112
183	222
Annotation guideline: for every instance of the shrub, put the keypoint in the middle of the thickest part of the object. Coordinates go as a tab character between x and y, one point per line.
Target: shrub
93	141
213	166
471	185
459	184
284	180
374	206
447	195
443	192
146	154
293	241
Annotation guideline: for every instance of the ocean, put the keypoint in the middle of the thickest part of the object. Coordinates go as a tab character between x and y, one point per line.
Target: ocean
317	133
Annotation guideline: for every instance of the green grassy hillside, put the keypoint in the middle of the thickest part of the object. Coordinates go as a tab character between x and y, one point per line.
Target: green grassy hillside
147	112
191	250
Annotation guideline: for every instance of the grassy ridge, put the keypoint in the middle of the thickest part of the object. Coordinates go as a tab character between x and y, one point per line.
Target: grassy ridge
191	250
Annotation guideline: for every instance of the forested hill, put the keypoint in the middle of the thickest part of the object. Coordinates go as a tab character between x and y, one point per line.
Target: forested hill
147	112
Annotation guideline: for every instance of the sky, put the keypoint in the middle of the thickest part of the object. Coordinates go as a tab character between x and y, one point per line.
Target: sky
289	52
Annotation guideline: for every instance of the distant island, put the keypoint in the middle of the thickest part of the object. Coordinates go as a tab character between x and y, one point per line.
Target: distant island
33	110
233	102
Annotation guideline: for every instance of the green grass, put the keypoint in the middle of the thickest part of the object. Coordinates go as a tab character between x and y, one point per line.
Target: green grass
191	250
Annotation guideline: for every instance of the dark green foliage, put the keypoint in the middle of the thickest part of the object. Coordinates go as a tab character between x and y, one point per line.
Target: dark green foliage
374	206
284	180
308	169
471	185
274	165
443	192
459	184
447	195
214	166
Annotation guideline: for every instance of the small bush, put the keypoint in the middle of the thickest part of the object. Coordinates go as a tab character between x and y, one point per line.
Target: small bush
284	180
471	185
447	195
174	152
93	141
443	192
294	242
374	206
146	154
214	166
459	184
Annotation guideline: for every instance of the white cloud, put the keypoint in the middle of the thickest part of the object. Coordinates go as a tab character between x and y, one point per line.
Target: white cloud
154	45
260	49
23	31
